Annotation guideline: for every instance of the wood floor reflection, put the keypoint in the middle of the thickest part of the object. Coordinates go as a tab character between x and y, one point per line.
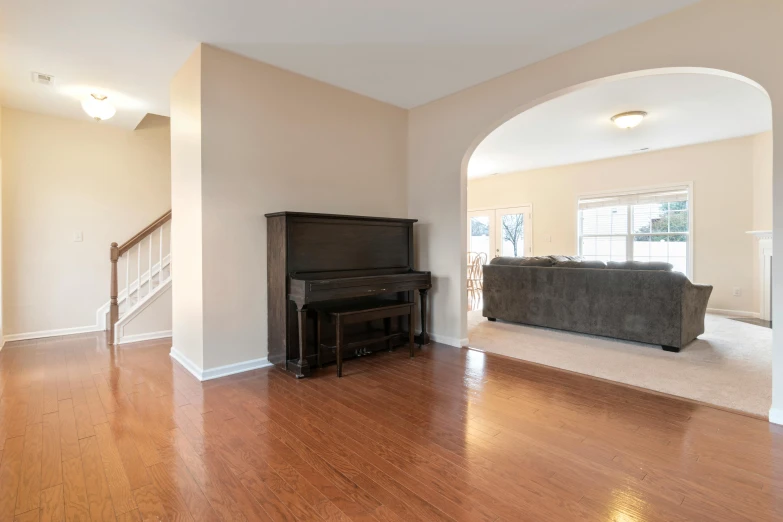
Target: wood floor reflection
90	434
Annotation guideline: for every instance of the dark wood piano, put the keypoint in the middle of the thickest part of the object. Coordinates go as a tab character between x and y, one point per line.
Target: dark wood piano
324	258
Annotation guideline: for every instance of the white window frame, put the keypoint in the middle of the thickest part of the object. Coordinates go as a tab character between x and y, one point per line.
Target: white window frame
638	190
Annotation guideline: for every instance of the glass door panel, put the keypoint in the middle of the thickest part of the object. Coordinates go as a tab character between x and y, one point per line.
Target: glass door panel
513	234
480	236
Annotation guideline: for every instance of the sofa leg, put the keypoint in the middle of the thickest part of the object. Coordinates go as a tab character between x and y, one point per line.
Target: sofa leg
491	319
670	349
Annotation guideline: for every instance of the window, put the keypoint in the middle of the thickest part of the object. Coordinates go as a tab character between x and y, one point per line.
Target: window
642	226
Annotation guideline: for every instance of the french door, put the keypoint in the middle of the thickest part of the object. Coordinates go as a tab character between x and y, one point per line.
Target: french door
506	232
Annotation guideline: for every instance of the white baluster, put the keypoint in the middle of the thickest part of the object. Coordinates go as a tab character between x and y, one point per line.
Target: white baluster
138	272
160	256
171	253
149	274
126	256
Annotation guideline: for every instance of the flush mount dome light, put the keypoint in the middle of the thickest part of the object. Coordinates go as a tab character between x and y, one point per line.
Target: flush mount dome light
98	108
628	120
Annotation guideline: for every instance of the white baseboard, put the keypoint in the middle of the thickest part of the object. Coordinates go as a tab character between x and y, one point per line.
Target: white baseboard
776	416
51	333
145	337
451	341
733	313
220	371
186	363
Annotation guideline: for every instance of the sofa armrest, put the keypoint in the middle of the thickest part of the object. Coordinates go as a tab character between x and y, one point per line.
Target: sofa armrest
694	308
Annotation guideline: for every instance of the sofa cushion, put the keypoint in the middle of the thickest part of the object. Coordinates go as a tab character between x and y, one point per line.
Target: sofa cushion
522	261
587	263
563	259
640	265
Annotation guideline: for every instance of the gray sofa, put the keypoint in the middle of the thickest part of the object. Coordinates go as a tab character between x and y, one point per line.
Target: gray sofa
644	302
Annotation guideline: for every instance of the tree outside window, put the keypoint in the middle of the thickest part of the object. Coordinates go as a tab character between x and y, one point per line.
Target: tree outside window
514	230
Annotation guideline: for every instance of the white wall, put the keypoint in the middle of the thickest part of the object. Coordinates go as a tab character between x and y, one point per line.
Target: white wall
722	174
738	36
271	141
61	176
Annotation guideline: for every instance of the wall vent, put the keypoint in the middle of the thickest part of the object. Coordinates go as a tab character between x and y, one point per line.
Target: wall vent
43	79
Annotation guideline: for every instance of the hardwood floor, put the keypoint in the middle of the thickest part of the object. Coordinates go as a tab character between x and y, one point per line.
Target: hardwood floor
93	434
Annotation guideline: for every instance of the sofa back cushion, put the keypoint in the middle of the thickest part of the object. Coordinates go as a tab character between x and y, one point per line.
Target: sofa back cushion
587	263
640	265
564	259
522	261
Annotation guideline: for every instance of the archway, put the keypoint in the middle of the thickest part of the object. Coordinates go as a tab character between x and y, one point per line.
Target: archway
566	91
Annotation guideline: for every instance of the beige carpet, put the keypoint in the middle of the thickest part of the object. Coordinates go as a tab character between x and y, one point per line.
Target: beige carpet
730	365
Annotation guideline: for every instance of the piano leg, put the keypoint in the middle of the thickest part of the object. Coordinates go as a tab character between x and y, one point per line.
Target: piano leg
387	332
301	368
339	347
424	337
410	331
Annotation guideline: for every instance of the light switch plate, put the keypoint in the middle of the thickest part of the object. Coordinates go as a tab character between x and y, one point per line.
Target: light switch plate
78	237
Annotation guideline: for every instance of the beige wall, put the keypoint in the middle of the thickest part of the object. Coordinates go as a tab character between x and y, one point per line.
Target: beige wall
2	338
738	36
272	140
722	174
62	176
762	181
186	210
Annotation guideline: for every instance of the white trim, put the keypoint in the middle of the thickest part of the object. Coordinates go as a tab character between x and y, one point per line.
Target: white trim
119	326
220	371
734	313
760	234
776	416
145	337
451	341
185	362
764	240
52	333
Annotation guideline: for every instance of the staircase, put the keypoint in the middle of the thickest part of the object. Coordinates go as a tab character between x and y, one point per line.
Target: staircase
141	267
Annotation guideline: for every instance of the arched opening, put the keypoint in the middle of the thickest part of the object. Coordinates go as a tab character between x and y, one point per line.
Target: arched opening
707	182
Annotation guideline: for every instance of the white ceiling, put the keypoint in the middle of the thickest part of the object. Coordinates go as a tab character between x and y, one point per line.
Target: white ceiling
683	109
405	52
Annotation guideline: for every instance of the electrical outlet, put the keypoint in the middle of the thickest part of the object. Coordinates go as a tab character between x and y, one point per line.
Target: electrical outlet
78	237
737	291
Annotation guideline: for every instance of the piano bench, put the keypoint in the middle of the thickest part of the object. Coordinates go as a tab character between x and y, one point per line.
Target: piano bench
362	312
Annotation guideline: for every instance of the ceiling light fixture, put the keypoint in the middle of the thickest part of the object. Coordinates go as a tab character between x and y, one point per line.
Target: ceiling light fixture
628	120
98	108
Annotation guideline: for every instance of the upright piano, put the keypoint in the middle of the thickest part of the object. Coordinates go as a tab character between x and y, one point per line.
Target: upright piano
324	258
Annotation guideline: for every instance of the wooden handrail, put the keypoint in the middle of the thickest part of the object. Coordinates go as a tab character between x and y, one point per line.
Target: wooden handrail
117	251
135	240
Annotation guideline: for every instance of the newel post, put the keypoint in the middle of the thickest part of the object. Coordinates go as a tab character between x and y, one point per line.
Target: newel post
114	308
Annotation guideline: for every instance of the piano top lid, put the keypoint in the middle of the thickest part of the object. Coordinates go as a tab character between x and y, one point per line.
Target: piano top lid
339	216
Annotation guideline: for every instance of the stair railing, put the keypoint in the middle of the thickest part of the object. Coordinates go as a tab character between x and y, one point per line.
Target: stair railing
124	252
